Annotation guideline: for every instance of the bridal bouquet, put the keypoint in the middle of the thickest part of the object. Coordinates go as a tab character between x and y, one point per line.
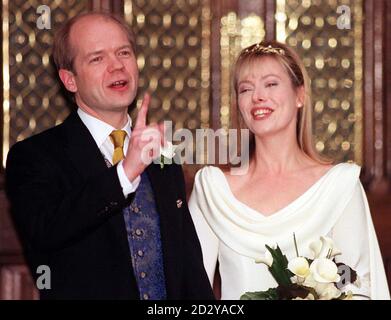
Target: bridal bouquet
302	278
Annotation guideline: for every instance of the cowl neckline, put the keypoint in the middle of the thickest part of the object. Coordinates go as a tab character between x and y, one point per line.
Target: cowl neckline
246	231
293	205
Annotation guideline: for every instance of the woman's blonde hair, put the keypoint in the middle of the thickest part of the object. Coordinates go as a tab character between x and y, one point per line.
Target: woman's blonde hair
299	78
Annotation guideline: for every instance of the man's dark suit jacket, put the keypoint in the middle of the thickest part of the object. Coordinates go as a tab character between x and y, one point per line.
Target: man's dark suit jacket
67	207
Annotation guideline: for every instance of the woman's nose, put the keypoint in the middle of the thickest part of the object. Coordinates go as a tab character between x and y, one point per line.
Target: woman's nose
258	95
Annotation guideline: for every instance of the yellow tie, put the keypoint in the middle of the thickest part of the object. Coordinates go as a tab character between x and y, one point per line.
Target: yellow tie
117	138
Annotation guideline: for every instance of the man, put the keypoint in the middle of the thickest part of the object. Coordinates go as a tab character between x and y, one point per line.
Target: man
85	197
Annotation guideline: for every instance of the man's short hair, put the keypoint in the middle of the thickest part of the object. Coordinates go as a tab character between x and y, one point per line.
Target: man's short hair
64	54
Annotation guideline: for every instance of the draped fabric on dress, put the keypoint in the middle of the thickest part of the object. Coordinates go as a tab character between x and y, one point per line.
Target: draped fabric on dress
235	234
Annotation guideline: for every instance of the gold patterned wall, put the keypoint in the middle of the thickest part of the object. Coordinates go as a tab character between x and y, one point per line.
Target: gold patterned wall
174	51
34	99
235	34
173	38
333	58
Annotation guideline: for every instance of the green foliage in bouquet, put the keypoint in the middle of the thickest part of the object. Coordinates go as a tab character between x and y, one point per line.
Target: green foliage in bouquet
279	267
280	272
320	278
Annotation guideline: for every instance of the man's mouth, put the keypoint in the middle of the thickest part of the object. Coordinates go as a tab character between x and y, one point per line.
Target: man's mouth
261	112
119	84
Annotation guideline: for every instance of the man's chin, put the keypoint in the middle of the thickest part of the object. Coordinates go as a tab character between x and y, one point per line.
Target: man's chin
120	99
120	104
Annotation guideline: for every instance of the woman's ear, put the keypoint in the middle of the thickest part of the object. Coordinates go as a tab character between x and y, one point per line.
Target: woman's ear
300	96
68	79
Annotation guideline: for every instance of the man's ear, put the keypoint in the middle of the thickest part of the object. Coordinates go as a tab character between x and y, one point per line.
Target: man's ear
300	96
68	79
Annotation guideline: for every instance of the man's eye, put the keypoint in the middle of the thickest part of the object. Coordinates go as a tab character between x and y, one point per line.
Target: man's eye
96	59
125	53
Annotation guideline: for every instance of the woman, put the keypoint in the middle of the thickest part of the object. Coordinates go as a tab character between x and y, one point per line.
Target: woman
287	188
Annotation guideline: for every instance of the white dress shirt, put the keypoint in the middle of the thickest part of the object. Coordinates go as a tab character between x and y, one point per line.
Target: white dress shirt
100	131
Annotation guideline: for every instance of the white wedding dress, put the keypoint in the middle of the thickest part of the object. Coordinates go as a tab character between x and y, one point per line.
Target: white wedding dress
234	234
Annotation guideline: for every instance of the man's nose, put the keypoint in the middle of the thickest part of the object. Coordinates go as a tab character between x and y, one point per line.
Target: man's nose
115	63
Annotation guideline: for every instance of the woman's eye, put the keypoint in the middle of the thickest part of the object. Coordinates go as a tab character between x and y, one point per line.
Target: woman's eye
244	90
271	84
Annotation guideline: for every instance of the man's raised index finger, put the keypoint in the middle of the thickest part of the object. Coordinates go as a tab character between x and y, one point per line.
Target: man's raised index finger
141	120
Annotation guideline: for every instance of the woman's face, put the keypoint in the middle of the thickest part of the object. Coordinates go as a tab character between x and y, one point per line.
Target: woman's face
266	97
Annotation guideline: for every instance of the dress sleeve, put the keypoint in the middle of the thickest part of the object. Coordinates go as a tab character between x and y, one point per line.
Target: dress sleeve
355	236
208	240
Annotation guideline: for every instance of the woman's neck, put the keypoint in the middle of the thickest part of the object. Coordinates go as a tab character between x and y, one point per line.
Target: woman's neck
277	154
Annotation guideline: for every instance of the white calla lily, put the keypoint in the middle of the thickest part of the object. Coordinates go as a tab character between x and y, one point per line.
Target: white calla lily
327	291
316	247
322	247
324	271
299	266
266	259
318	277
310	282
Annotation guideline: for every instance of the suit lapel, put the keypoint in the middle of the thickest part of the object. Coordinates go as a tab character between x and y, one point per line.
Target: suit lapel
82	149
86	157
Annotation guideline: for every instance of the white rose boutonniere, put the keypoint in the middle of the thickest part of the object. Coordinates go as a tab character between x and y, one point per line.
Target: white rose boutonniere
167	152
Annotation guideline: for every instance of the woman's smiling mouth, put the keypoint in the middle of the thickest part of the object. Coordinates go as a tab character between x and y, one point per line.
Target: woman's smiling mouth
261	113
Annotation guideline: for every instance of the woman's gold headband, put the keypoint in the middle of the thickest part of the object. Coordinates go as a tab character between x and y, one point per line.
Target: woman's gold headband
258	48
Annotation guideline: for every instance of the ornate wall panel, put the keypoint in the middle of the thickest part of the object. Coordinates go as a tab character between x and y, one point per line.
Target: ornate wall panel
235	34
33	102
173	44
333	57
